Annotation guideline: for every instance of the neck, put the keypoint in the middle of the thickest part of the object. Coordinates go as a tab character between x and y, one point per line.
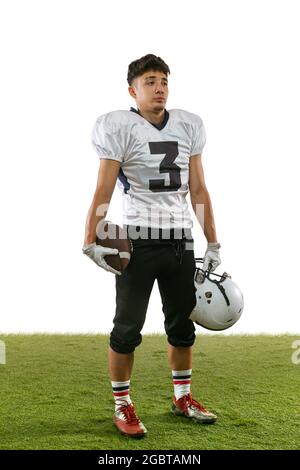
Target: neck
154	116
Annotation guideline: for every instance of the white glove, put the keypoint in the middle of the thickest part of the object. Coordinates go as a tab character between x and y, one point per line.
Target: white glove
211	257
97	253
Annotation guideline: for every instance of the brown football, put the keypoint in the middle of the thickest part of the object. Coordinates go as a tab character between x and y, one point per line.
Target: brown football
113	236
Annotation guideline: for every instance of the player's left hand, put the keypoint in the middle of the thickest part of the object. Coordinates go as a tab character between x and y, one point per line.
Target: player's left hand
212	257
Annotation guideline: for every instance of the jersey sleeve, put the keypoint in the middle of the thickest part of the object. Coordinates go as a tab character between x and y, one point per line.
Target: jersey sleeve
198	137
108	139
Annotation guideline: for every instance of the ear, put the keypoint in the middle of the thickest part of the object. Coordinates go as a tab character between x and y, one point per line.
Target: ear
132	92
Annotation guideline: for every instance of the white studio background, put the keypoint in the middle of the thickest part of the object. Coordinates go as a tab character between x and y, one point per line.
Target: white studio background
63	63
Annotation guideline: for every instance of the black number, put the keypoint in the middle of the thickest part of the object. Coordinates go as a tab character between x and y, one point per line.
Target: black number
167	166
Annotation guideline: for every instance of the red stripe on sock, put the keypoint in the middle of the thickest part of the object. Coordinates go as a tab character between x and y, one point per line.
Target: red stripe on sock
181	382
120	394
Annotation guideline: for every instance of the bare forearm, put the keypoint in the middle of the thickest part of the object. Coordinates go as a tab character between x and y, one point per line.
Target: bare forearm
202	207
97	212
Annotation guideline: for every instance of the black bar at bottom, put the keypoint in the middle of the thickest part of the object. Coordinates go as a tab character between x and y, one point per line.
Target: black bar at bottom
130	459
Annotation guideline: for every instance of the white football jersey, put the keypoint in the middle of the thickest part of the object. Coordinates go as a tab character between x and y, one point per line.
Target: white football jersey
154	172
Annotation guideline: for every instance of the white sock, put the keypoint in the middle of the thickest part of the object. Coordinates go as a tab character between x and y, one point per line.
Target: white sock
121	393
181	382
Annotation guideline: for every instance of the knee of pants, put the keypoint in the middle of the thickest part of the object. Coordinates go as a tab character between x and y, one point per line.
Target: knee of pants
183	335
125	342
181	342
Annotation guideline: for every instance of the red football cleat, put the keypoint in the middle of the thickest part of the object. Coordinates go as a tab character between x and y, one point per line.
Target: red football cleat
190	408
128	423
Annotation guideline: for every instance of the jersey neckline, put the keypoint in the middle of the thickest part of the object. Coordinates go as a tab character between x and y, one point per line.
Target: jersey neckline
157	126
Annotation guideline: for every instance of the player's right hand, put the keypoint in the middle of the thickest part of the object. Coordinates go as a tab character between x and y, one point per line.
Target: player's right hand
97	253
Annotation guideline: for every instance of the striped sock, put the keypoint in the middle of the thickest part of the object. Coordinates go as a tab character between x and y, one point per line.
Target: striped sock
121	393
181	382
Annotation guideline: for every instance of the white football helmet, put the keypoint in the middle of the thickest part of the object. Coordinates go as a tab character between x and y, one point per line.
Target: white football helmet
220	302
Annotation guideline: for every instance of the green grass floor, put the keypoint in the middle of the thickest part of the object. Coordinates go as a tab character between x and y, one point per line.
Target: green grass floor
55	394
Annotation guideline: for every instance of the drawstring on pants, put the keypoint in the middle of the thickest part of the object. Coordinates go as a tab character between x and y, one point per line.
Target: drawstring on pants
179	246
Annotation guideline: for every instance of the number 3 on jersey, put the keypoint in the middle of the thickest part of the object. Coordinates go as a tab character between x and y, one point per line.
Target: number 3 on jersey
170	149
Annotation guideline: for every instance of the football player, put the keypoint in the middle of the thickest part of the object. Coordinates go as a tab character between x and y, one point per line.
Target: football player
154	155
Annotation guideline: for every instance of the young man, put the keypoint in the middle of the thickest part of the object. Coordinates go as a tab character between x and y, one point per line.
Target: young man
155	155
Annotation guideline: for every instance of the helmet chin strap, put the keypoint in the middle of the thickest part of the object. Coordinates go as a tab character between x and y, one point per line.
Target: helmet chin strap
201	275
208	273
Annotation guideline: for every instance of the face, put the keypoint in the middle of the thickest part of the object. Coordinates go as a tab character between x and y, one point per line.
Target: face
150	90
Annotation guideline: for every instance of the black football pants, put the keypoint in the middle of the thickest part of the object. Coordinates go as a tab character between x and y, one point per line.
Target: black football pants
172	263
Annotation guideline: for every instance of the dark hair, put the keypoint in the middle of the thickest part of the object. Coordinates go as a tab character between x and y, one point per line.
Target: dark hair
147	62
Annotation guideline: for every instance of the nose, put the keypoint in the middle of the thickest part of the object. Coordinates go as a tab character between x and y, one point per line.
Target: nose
159	88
